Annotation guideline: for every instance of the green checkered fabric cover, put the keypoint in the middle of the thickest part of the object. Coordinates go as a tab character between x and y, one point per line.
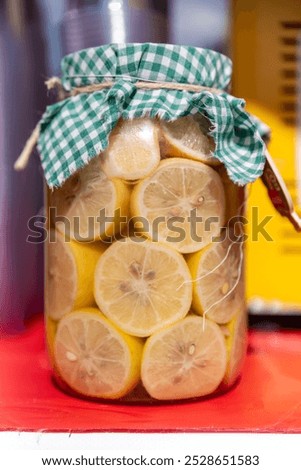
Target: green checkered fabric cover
75	130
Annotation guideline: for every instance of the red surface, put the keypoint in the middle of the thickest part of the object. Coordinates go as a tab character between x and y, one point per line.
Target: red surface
267	399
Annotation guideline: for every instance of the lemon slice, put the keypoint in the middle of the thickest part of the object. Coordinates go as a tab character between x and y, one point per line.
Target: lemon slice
217	273
69	275
235	198
79	206
185	360
133	150
189	137
142	286
236	343
50	332
183	202
94	358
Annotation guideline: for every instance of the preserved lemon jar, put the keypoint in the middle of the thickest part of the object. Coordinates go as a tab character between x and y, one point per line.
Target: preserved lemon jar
146	157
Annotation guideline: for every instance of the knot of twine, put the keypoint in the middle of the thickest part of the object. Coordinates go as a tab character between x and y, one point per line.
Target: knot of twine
56	83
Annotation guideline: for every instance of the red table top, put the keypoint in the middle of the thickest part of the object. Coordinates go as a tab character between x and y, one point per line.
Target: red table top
267	399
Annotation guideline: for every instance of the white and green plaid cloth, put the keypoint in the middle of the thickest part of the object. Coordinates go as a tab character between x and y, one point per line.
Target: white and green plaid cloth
75	130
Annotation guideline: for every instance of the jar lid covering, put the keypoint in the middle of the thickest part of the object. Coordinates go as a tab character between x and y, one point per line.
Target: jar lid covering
75	130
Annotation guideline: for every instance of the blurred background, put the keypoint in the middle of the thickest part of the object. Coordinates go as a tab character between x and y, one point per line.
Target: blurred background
263	37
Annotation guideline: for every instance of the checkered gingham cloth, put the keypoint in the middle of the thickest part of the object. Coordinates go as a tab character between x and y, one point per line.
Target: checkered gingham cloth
77	129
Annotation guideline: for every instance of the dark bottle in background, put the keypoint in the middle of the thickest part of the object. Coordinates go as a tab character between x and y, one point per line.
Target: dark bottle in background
22	100
89	23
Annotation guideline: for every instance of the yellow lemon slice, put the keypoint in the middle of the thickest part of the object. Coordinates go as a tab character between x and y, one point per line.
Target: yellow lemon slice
183	203
133	150
185	360
79	207
69	275
236	335
50	332
235	198
142	286
189	137
94	358
217	273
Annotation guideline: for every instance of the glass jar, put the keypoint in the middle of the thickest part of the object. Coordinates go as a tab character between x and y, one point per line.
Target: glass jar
146	157
144	269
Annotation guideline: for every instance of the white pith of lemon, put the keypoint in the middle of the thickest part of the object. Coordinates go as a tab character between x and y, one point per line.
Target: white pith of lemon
218	279
189	137
50	330
236	343
69	279
183	202
185	360
142	286
94	358
79	207
235	197
133	152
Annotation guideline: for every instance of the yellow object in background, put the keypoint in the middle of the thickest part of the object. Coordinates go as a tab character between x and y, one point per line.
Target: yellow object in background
273	267
265	38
